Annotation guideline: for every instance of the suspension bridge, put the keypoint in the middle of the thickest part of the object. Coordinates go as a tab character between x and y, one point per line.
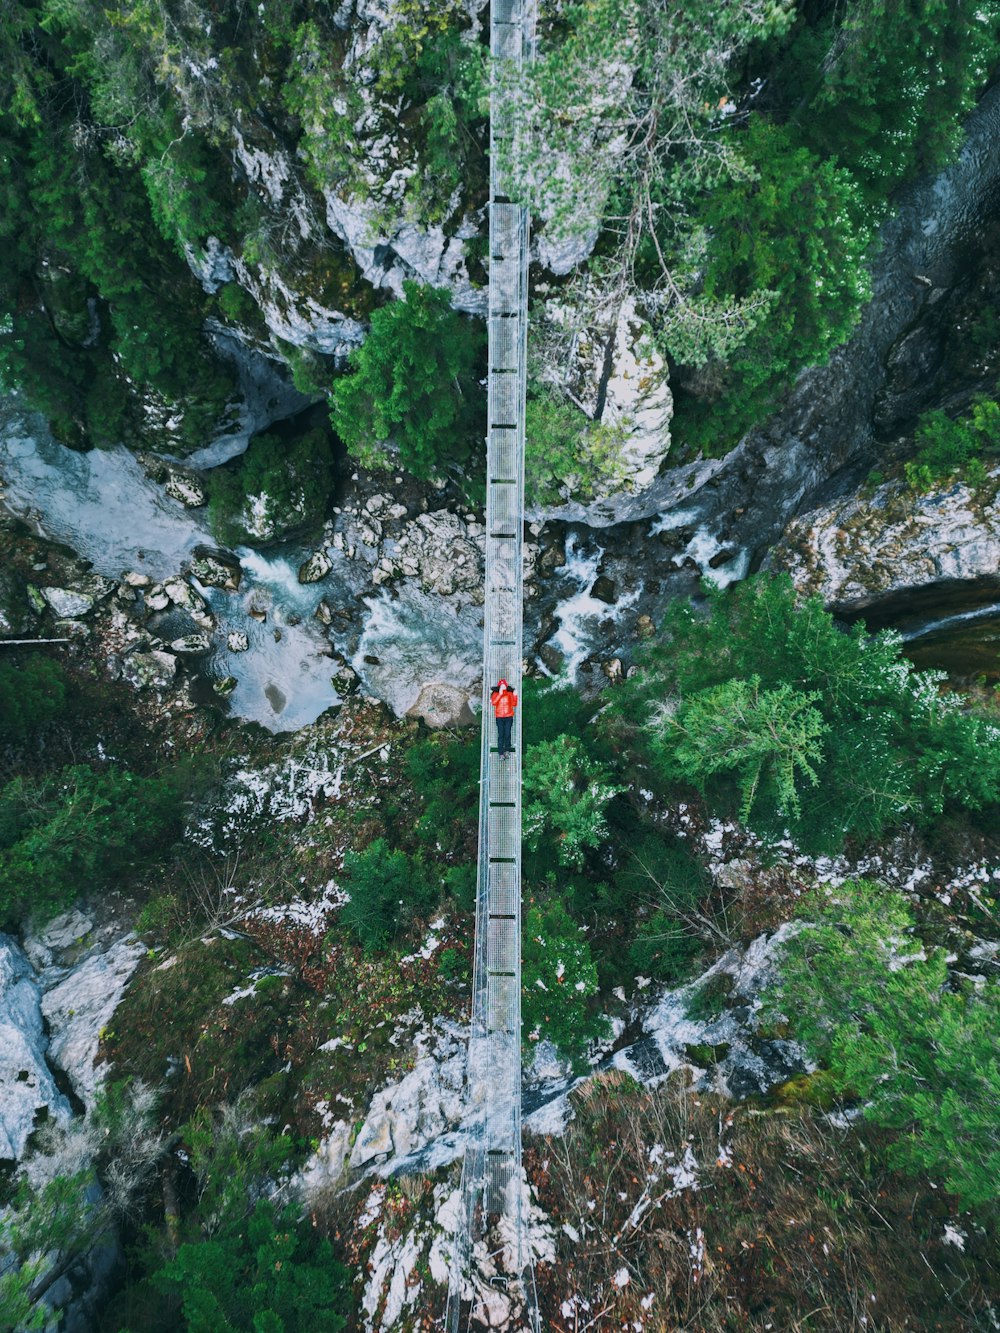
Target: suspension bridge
490	1248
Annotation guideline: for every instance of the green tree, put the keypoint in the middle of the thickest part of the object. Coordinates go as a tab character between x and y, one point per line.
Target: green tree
80	830
566	795
792	226
268	1273
388	889
872	1002
558	978
892	744
413	384
769	739
566	453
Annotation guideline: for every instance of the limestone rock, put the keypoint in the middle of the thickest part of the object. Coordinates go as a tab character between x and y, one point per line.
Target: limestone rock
324	613
186	488
315	568
216	572
374	1140
156	598
67	604
443	705
438	548
237	641
225	686
184	596
149	671
81	1006
26	1083
859	550
191	645
135	580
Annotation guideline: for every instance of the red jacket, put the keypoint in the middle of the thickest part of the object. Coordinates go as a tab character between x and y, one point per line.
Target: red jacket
504	702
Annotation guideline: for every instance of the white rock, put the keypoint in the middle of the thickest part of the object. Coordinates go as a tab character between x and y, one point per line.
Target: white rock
81	1007
152	670
26	1082
182	487
134	580
66	604
237	641
191	645
315	568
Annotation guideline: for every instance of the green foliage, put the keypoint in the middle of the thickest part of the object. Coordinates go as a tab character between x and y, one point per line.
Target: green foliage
946	447
422	61
388	889
445	773
891	744
277	486
80	830
413	384
269	1275
558	979
31	694
566	794
566	453
660	877
769	739
871	1002
248	1265
884	87
790	225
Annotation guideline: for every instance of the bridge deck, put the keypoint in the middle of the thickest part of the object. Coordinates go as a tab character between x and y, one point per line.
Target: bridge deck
491	1175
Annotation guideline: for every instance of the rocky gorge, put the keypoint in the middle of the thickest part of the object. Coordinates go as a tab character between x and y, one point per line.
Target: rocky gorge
325	671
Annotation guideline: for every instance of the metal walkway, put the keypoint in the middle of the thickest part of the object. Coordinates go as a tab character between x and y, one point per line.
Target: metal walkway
490	1248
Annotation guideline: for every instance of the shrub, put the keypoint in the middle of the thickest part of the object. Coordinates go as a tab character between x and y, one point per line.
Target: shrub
566	794
31	694
80	831
275	487
388	889
558	978
945	447
413	384
566	453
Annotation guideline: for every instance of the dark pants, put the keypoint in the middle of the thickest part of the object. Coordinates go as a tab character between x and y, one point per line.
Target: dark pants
504	727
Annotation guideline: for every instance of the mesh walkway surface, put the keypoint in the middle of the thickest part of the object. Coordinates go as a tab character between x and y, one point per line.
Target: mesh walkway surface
491	1173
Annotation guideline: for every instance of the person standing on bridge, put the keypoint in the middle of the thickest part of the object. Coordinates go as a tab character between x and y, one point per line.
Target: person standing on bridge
504	701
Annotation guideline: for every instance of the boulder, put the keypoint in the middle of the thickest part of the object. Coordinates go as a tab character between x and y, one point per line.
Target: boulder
191	645
237	641
154	670
67	604
315	568
186	488
867	547
135	580
27	1087
225	686
324	613
80	1008
156	598
438	549
604	590
184	596
443	706
216	572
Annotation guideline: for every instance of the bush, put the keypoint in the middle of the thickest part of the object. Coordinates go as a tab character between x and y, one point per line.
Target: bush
872	1003
946	447
413	384
566	794
566	453
558	979
80	831
32	694
388	889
